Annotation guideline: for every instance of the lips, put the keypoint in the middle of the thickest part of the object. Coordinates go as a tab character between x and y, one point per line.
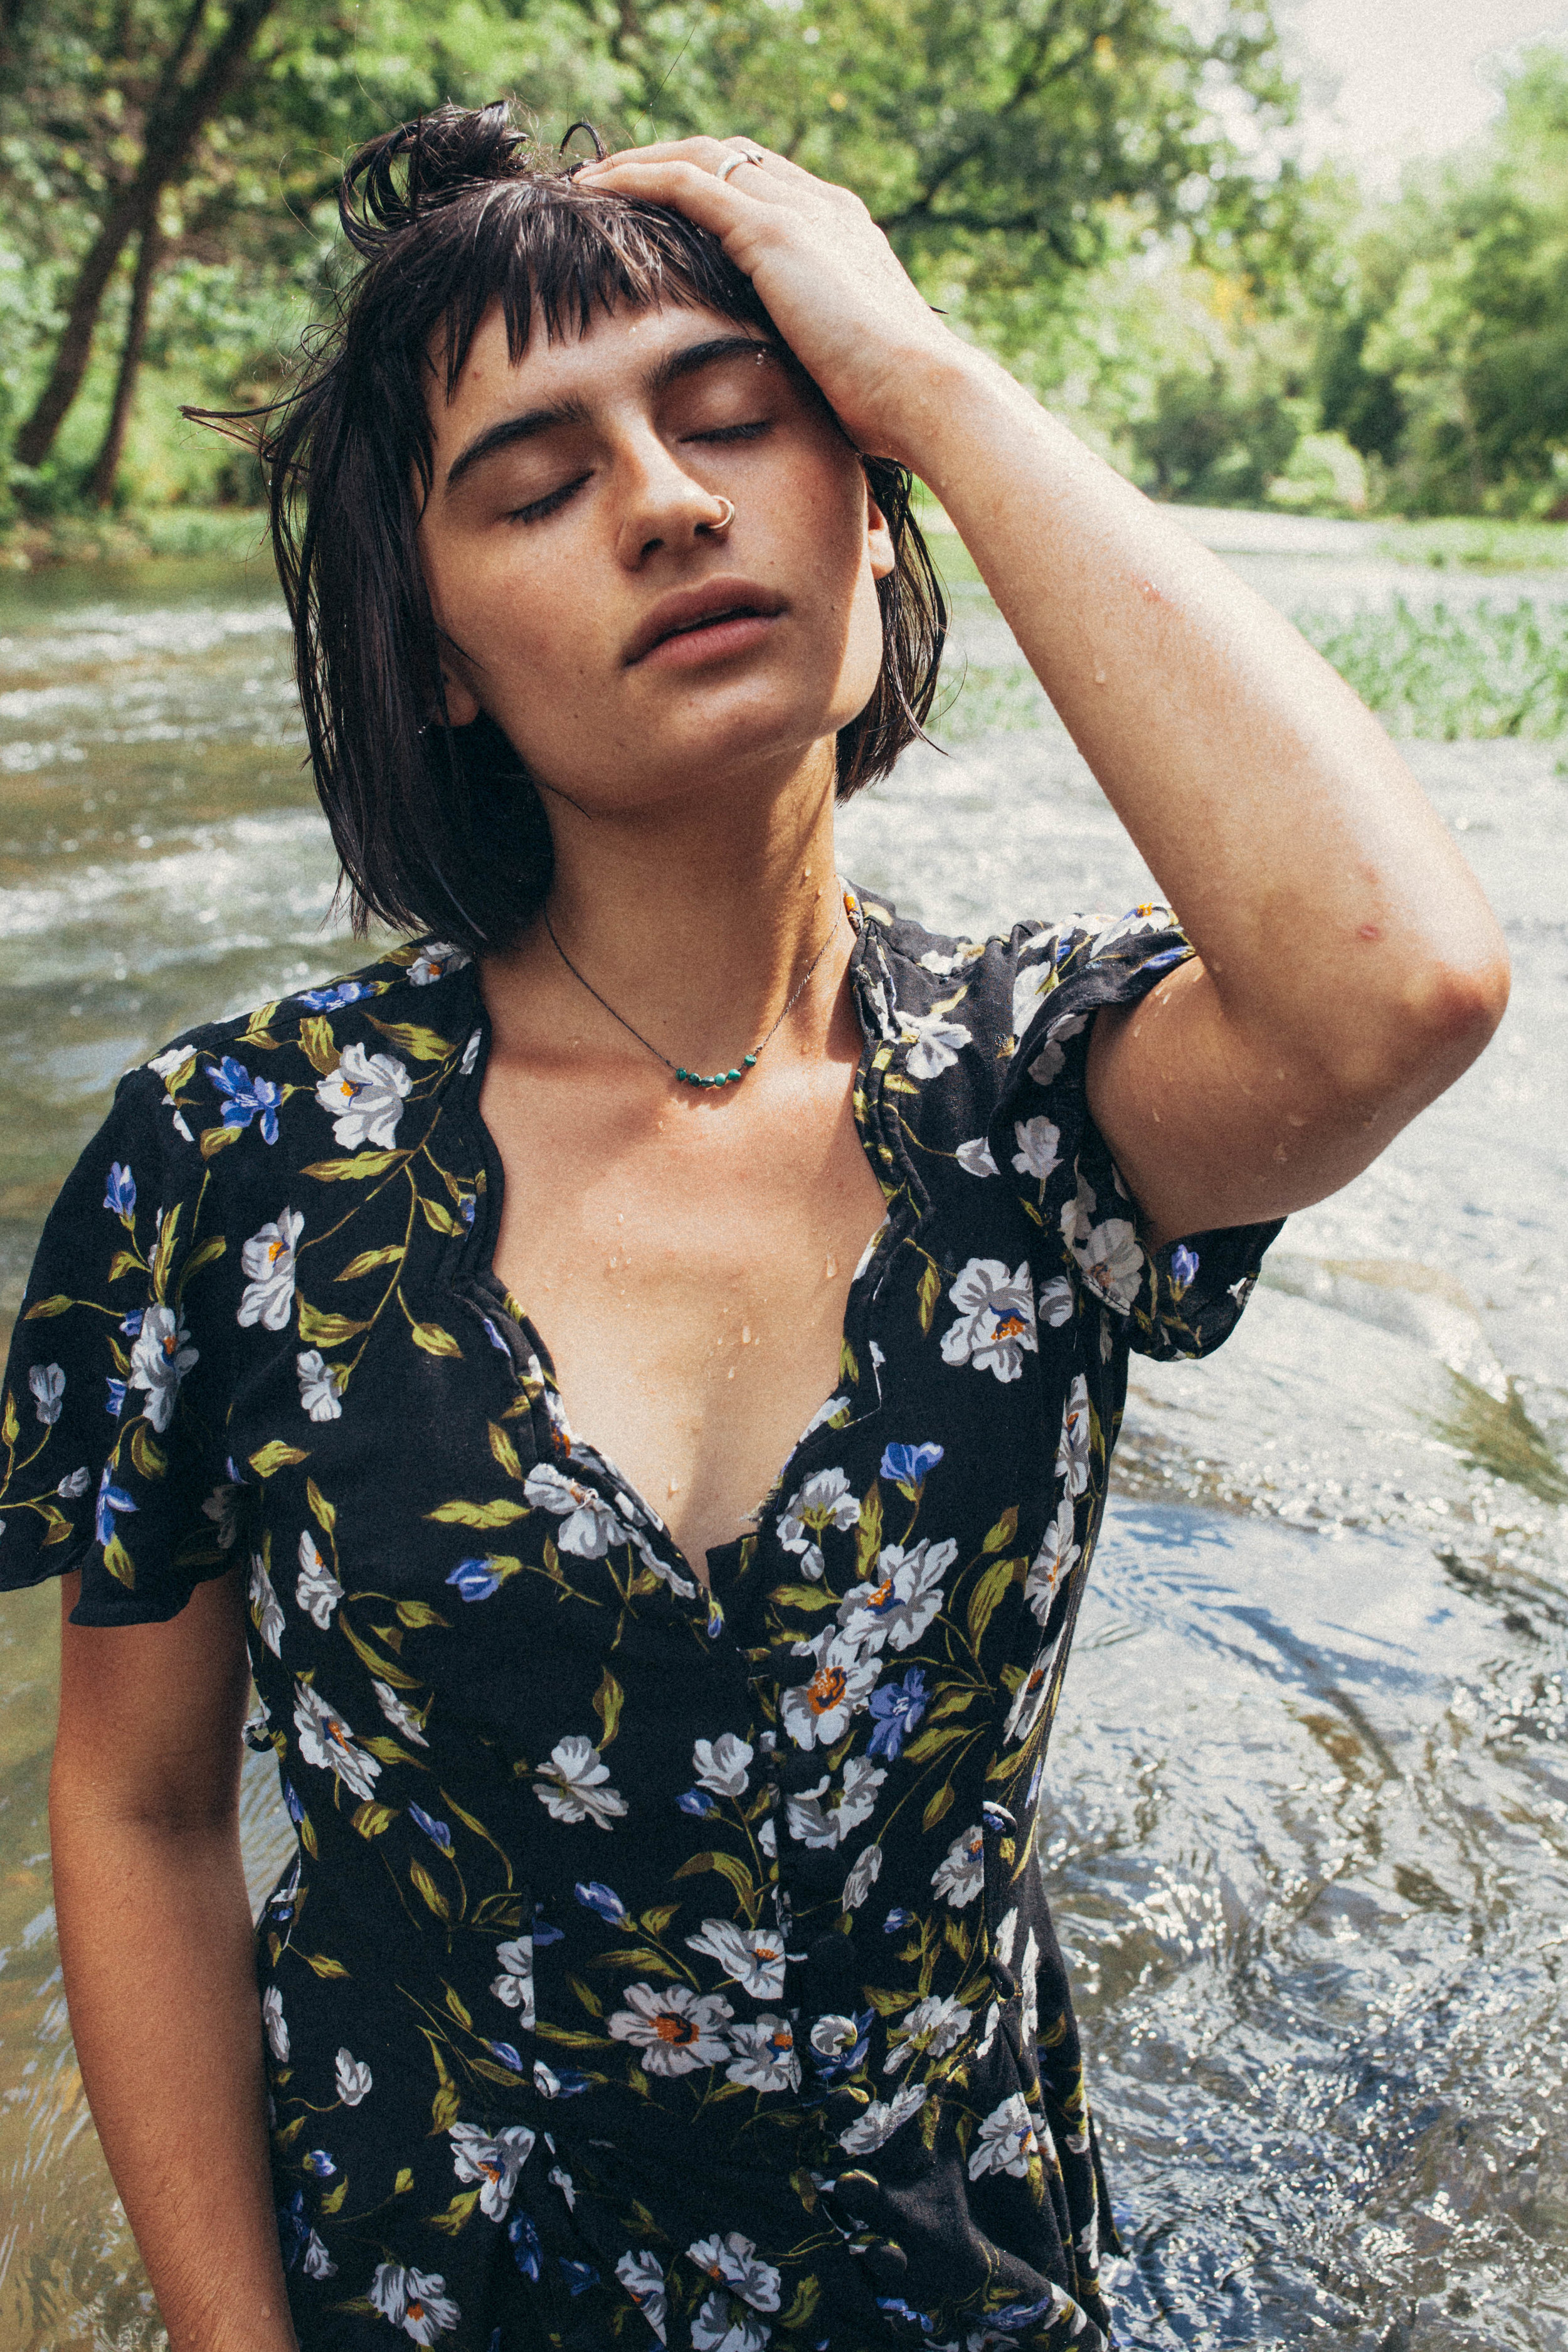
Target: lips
690	610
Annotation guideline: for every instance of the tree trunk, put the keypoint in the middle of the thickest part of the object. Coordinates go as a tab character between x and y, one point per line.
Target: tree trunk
177	118
107	466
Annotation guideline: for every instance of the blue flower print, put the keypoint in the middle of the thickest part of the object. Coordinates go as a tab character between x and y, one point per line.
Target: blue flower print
543	1932
507	2054
1014	2316
896	2308
121	1194
292	2229
1183	1267
579	2276
110	1498
132	1324
564	2083
699	1802
475	1579
436	1831
897	1708
595	1895
906	1465
322	2165
327	1000
295	1810
246	1096
526	2248
114	1402
838	2045
896	1919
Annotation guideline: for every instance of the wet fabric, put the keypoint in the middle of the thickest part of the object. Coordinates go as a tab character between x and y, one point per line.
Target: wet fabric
652	1964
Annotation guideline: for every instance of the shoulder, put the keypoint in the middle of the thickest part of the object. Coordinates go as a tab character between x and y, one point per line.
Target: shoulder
973	1015
353	1047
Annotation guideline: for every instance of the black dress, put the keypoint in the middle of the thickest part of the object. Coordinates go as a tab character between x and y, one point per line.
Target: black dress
649	1962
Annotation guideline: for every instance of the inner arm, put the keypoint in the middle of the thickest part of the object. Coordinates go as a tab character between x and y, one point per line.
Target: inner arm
155	1942
1349	968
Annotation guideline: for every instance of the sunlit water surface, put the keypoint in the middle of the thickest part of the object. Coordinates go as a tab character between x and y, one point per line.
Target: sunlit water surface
1309	1831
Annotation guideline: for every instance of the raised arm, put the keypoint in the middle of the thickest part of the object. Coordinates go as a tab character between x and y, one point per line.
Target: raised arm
1348	966
155	1940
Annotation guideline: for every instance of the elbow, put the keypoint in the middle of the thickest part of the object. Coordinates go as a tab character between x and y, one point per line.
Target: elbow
1444	1015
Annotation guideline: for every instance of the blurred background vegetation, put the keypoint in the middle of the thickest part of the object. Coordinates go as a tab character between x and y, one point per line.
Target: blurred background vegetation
1095	189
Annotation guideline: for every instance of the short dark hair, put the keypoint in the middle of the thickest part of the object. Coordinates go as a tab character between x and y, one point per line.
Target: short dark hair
439	828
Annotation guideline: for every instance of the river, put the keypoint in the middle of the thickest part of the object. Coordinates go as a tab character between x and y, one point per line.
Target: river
1308	1789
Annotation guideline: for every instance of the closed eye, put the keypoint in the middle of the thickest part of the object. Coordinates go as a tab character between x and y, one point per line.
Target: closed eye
734	432
538	509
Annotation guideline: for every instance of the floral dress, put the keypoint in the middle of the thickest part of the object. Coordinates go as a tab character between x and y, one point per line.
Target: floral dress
652	1964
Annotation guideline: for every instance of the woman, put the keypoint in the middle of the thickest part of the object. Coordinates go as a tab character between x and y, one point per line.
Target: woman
666	1947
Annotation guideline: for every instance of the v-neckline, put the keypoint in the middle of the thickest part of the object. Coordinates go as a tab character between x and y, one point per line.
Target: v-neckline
478	1267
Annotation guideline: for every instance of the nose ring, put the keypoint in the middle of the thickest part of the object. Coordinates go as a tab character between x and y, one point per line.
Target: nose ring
725	519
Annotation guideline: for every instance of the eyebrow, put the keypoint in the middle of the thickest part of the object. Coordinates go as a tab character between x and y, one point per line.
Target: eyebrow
672	369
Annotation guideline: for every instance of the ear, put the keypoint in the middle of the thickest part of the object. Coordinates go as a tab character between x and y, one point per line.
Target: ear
879	539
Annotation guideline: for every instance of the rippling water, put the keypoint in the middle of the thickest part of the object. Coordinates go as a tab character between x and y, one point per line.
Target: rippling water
1309	1840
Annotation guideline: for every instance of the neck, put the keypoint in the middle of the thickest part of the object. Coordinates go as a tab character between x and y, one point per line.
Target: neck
695	924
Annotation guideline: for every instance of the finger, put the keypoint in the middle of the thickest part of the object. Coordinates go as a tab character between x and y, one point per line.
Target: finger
692	189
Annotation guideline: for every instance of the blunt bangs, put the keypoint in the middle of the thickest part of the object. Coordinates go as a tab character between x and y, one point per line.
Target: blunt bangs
439	828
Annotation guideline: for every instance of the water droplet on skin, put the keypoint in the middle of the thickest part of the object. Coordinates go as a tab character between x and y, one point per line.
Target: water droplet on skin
831	1268
1100	677
745	1335
675	1487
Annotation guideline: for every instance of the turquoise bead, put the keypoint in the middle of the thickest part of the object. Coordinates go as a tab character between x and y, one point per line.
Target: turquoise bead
681	1076
750	1061
734	1074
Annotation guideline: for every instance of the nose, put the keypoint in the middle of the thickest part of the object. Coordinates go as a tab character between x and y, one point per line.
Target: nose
664	508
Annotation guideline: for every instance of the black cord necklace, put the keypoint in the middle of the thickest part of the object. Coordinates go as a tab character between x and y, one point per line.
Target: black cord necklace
691	1077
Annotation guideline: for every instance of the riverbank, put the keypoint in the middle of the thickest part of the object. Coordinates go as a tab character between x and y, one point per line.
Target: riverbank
235	533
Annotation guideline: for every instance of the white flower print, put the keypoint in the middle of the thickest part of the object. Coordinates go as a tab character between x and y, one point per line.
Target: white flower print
858	1796
1056	1301
945	966
514	1985
266	1609
642	2279
1030	1696
363	1096
764	2057
182	1060
721	1765
937	1042
316	1589
881	2118
276	2024
754	1956
326	1741
416	2301
1149	915
493	2160
435	960
352	2077
48	1382
588	1526
929	2030
867	1870
903	1598
823	1826
824	1501
575	1786
675	2029
817	1713
996	1326
267	1257
976	1158
561	2179
160	1359
1006	2141
733	2261
961	1873
1056	1557
1029	2015
810	1820
1037	1140
317	2263
1109	1255
830	1410
1034	982
724	2325
471	1053
75	1484
1072	1446
1048	1062
398	1713
320	1384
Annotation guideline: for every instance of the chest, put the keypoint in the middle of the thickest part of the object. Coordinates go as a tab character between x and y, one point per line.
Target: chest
687	1262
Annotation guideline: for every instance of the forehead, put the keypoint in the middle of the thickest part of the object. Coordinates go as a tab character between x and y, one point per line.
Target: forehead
619	350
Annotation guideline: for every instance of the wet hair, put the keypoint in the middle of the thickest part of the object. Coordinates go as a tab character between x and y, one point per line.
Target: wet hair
439	828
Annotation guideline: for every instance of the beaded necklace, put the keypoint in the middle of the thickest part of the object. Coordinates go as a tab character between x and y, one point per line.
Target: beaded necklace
691	1077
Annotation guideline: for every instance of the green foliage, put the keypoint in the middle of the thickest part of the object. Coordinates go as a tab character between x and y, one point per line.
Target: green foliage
1455	673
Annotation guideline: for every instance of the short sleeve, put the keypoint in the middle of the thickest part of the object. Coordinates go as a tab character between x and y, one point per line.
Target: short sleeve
1183	1300
114	1399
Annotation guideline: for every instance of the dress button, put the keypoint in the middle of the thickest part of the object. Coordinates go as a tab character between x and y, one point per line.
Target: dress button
842	2107
887	2263
802	1769
858	2193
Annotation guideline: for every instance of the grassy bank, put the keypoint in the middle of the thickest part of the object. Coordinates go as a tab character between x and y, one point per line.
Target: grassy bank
238	532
